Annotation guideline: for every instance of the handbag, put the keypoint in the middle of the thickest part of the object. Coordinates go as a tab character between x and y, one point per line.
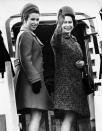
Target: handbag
88	83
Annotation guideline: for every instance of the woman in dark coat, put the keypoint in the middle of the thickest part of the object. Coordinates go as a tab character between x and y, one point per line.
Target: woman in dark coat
4	57
31	93
69	95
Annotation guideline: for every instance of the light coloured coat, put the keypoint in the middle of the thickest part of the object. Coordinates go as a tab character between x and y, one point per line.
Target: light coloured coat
29	70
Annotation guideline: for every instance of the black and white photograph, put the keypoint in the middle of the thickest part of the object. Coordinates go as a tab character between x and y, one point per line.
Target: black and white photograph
50	65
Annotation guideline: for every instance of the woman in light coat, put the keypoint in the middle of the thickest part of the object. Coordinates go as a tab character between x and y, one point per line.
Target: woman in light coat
31	94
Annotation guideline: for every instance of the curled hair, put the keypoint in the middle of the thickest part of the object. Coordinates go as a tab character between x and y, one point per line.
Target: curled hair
73	18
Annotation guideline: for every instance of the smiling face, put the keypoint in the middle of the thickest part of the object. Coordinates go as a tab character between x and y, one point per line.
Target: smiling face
67	25
33	21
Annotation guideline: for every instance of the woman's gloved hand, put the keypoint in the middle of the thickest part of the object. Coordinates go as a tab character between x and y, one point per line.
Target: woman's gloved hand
80	64
60	20
36	87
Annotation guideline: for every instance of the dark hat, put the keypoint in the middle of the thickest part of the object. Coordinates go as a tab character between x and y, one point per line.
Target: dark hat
29	7
66	10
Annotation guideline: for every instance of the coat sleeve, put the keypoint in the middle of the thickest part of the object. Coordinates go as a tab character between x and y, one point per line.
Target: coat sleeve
26	44
56	37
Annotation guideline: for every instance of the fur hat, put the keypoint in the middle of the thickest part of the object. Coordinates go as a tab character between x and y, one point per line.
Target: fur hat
29	8
66	10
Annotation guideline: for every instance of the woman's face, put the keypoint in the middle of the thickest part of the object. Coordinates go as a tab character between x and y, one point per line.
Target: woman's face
32	21
67	25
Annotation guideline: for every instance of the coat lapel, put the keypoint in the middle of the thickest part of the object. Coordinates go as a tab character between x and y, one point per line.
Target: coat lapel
24	28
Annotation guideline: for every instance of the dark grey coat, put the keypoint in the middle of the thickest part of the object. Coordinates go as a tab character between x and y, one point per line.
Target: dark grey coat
69	93
30	70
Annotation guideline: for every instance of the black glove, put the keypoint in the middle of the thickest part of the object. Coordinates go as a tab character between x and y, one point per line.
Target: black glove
36	87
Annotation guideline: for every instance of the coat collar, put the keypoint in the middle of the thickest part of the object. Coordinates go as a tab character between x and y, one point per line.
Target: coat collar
25	28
